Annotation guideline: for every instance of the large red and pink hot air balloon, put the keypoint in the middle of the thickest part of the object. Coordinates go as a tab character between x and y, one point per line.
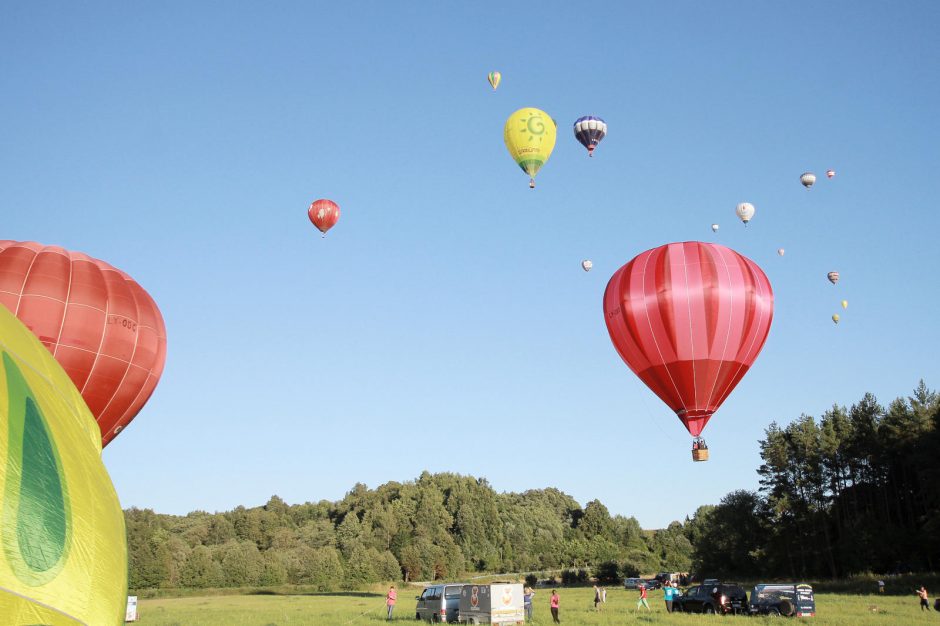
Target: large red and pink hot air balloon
98	323
689	319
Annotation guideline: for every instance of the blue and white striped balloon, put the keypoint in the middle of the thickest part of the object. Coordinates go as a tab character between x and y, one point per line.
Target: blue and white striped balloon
589	130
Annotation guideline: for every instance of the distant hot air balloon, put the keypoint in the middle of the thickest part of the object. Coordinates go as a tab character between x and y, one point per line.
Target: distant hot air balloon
586	265
745	211
808	179
833	277
836	318
99	324
845	304
62	530
781	251
530	137
689	319
714	228
830	173
324	214
494	78
589	131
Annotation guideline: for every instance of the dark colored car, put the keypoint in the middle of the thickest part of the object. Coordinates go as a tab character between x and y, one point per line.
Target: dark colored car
721	598
783	599
652	583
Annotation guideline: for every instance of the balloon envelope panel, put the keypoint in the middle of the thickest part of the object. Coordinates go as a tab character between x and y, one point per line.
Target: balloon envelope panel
100	325
64	553
689	319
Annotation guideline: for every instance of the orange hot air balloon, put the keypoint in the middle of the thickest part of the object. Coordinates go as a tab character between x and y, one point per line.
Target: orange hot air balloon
324	214
100	325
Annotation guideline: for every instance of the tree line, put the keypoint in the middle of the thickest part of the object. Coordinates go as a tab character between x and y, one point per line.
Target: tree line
856	491
438	526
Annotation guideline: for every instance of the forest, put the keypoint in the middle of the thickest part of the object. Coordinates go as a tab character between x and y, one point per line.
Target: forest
856	490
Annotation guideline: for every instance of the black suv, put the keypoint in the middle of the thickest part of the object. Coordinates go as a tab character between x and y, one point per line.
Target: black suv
713	598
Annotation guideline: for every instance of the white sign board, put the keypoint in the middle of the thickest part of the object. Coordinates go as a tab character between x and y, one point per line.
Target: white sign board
131	614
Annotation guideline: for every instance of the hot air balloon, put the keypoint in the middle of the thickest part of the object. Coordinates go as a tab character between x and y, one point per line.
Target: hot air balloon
845	304
830	173
324	214
586	265
780	251
101	326
835	318
689	319
494	78
808	179
530	137
714	228
745	211
62	530
589	131
833	277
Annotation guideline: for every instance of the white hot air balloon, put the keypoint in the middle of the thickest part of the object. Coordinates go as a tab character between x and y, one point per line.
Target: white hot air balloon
808	179
780	251
714	228
586	265
833	277
745	211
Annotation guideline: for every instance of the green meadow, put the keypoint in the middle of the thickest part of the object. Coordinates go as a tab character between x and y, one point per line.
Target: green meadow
368	607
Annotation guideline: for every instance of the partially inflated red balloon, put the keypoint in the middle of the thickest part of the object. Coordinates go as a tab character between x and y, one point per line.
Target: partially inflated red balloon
99	324
324	214
689	319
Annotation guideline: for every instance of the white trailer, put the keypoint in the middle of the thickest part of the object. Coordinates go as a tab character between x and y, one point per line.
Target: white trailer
497	603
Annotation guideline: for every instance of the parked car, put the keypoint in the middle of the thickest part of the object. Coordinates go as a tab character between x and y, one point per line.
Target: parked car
783	599
632	583
439	603
652	583
720	598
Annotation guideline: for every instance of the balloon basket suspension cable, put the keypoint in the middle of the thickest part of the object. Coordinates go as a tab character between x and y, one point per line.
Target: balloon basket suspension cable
699	450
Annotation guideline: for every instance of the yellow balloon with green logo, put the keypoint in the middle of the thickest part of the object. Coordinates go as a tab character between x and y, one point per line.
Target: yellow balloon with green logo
63	547
530	137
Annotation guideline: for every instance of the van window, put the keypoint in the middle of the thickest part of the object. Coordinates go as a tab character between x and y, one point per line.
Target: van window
452	592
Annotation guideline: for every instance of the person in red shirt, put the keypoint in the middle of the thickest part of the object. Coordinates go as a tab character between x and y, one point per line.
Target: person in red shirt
390	599
555	600
642	600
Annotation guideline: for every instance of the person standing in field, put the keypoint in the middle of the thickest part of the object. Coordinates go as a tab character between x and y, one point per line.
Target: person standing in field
604	595
527	602
554	605
390	599
924	603
642	599
881	586
669	593
597	597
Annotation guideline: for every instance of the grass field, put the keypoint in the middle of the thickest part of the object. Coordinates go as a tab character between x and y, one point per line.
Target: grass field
368	607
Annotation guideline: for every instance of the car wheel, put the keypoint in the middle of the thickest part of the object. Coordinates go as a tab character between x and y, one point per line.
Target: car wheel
708	609
786	607
773	612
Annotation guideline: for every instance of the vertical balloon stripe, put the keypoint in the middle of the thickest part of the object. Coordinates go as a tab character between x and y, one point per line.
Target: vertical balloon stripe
35	501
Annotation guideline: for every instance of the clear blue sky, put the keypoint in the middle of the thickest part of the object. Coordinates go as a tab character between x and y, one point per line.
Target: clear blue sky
182	142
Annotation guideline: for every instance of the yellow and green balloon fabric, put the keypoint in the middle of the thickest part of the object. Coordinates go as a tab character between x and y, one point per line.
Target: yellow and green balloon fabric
63	547
530	138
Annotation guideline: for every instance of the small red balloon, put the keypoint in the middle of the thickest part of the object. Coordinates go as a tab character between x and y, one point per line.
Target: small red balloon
324	214
689	319
100	325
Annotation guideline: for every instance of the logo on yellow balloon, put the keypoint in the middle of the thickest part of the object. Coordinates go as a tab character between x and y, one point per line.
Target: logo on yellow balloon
35	498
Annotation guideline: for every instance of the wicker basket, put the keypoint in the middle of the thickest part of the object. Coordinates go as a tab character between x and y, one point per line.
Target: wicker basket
700	454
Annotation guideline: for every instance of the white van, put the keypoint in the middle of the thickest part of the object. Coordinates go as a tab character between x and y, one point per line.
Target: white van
439	603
